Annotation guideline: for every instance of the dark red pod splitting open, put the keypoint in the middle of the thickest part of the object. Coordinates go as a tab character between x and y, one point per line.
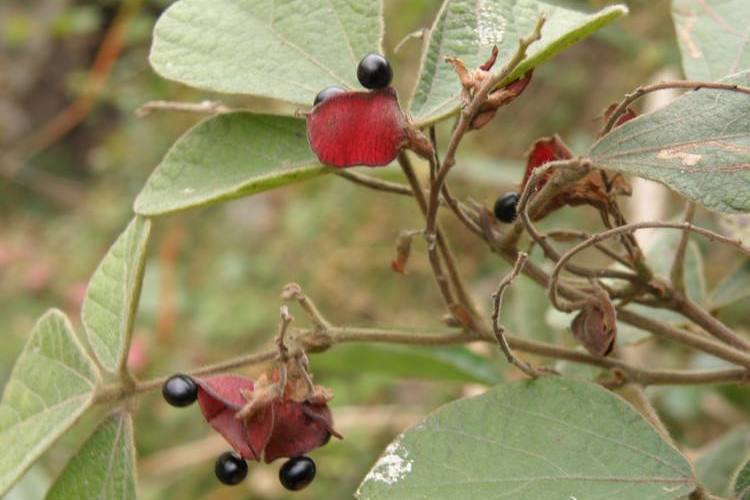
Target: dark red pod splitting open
284	428
357	128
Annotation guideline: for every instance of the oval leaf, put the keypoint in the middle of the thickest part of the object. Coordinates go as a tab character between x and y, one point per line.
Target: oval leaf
229	156
468	29
113	293
271	49
547	439
51	385
699	145
712	36
104	467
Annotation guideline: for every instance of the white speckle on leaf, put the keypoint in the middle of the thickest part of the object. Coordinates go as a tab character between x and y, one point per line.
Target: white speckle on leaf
392	467
188	191
490	23
687	159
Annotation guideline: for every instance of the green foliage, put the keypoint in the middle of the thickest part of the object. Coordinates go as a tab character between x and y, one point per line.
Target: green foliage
468	29
229	156
741	488
52	384
284	50
697	145
550	438
733	288
716	465
104	467
713	37
113	293
543	439
456	364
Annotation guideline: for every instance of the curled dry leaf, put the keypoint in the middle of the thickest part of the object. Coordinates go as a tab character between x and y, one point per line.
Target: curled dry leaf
596	325
358	128
403	250
498	99
589	190
626	116
471	81
286	426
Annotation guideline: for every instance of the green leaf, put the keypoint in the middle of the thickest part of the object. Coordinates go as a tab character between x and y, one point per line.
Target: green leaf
436	363
733	288
51	385
741	486
284	50
32	486
660	256
545	439
525	309
113	293
104	467
716	465
713	37
468	29
699	145
226	157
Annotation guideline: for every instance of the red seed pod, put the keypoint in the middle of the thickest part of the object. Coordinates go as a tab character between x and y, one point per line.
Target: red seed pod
358	128
283	428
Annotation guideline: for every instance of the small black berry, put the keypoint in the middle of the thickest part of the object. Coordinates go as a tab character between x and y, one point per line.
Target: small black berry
297	473
327	93
230	468
374	72
180	390
505	207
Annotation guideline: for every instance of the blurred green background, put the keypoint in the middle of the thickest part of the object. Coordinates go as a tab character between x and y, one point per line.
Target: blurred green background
73	156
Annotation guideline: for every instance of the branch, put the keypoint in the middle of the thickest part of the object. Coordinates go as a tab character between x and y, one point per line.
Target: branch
677	274
680	84
315	341
465	306
205	107
681	303
468	114
498	329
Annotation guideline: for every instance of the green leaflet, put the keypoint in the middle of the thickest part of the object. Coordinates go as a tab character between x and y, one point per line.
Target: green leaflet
51	385
112	296
226	157
104	467
283	49
699	145
468	29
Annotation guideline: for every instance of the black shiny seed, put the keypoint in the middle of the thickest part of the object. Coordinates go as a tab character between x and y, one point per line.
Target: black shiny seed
180	390
505	207
374	72
297	473
326	93
230	468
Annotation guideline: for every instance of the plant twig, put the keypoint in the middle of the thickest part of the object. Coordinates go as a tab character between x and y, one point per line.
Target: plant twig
374	182
498	329
339	335
465	306
204	107
681	303
293	291
677	274
467	115
699	342
680	84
